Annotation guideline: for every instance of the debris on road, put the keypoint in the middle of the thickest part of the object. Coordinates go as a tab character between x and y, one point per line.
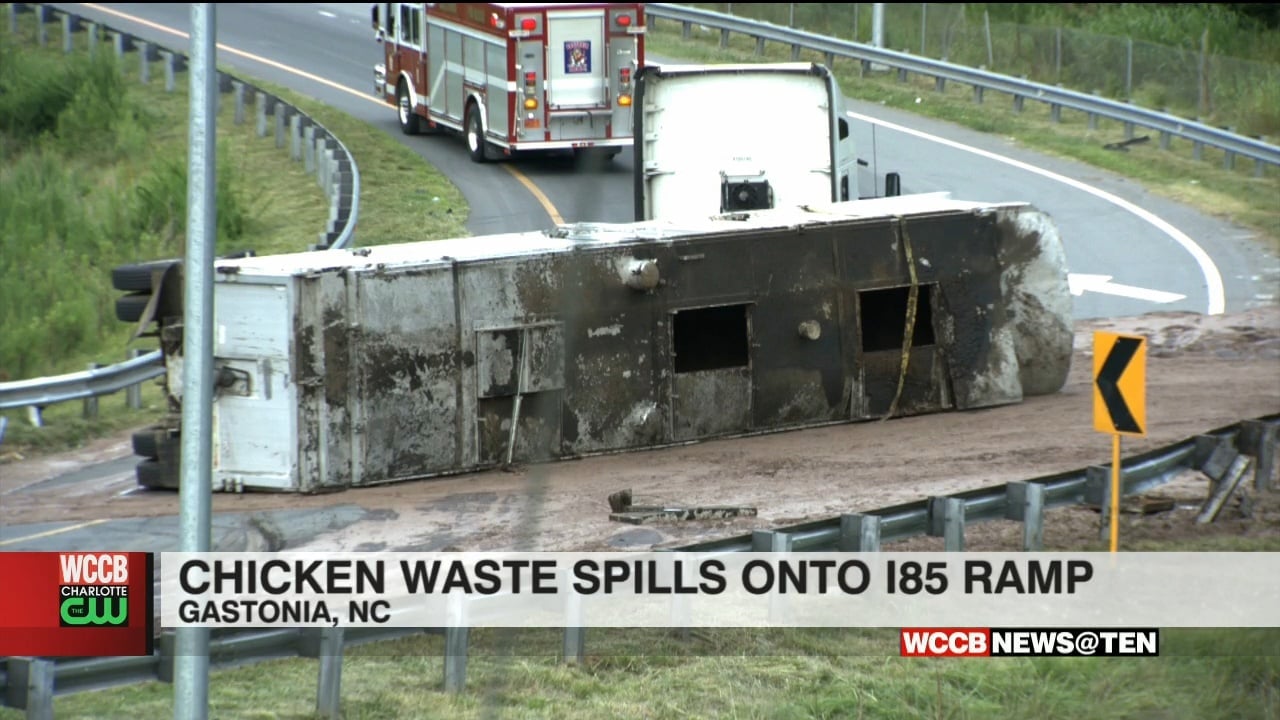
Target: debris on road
624	511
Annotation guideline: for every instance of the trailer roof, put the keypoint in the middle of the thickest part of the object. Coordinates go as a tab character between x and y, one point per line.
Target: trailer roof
566	238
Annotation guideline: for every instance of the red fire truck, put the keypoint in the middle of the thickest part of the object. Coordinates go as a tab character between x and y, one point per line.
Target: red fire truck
511	76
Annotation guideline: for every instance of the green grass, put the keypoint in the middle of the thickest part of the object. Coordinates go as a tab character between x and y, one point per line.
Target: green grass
1084	47
92	176
1234	195
1202	674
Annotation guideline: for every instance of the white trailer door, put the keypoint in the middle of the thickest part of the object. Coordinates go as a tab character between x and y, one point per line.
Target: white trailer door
575	59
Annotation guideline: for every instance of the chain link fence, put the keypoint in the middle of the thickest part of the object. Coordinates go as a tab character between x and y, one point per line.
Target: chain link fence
1200	83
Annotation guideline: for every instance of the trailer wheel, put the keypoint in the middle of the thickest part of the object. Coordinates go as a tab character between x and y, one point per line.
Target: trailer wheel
129	308
145	444
137	278
475	134
156	475
408	119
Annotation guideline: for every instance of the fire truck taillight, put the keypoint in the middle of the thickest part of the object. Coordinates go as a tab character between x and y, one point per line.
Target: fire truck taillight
530	103
624	20
624	100
530	79
625	74
529	24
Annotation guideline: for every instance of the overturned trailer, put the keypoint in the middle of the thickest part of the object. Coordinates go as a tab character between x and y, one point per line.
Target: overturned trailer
347	368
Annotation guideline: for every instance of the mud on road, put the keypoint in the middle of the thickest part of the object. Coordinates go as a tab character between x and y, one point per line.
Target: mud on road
1203	372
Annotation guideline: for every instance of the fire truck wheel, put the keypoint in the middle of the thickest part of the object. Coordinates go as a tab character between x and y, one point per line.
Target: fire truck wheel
408	120
475	135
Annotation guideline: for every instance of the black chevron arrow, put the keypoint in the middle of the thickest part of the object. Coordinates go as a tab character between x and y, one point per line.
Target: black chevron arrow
1109	384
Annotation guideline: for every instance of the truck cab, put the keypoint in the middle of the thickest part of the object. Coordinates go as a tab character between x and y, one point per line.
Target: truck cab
726	138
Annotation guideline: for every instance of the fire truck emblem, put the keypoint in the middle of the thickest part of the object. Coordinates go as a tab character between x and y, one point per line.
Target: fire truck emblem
577	56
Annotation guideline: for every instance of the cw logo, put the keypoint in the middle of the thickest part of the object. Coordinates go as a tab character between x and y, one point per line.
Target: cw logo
95	611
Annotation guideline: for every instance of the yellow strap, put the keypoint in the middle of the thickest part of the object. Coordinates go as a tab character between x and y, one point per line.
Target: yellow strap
901	230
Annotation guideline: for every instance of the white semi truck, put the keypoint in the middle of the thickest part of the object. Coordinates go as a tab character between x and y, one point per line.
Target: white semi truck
725	138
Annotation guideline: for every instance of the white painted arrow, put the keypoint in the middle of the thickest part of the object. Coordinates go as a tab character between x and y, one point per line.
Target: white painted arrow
1102	284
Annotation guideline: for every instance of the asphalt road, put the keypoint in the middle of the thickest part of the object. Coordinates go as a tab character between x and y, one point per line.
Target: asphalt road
1111	227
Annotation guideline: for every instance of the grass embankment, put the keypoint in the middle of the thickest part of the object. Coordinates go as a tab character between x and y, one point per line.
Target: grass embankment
1233	195
92	175
1202	674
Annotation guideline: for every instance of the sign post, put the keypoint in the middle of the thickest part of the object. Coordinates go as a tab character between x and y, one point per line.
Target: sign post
1119	401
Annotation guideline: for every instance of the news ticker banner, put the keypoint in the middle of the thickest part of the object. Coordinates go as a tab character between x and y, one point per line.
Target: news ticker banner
662	589
76	604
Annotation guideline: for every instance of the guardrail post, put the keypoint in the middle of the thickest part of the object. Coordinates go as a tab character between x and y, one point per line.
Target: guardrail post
455	659
144	64
34	415
281	112
260	110
168	71
1259	440
795	53
93	38
1097	491
329	684
1055	112
1128	130
4	423
91	402
295	137
977	94
686	30
859	533
1228	160
902	75
164	668
39	687
123	43
42	33
455	645
724	39
759	46
1197	150
775	542
13	18
1025	503
1166	139
575	635
70	25
1205	447
133	393
238	89
940	84
309	148
1017	103
953	525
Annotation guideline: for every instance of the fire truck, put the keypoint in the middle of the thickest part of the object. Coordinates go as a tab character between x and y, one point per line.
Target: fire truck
512	77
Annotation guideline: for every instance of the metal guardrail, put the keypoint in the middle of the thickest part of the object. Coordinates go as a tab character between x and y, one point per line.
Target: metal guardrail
1169	126
323	152
40	392
938	516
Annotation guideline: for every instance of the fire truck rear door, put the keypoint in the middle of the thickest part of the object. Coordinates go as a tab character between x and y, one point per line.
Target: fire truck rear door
576	59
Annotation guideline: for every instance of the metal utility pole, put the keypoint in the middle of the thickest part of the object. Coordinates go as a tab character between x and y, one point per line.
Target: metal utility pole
877	24
191	661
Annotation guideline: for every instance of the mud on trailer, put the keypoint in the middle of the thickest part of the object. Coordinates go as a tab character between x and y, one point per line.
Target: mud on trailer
345	368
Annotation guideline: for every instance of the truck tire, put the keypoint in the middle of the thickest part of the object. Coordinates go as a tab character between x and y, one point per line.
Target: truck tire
129	307
404	107
145	444
156	475
475	134
137	277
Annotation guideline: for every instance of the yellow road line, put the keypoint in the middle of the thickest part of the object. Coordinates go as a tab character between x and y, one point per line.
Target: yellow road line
50	533
523	179
538	195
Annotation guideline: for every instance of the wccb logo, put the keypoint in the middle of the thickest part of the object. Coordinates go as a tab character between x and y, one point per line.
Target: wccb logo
94	590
